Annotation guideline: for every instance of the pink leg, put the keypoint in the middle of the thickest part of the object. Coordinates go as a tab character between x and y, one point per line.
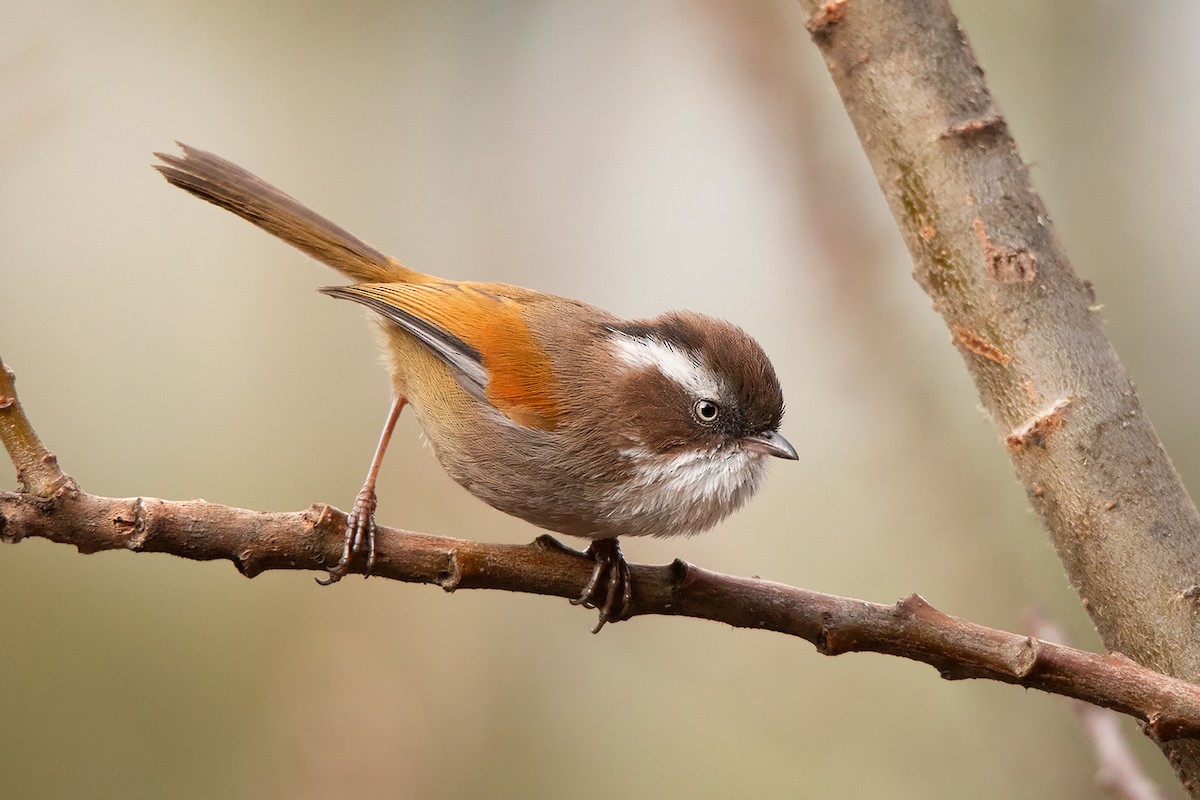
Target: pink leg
360	524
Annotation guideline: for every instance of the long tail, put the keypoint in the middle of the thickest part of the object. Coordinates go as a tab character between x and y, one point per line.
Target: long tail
227	185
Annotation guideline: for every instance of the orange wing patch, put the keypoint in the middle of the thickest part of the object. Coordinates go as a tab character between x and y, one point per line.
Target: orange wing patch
491	323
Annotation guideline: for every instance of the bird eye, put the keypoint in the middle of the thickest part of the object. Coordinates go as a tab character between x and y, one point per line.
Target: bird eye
705	410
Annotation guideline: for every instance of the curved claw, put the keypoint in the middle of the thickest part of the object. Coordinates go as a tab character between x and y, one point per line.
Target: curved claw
614	601
360	534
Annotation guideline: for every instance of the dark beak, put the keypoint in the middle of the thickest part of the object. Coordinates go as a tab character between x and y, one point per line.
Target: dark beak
770	444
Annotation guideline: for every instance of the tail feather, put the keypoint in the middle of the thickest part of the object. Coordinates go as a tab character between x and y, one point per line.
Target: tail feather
227	185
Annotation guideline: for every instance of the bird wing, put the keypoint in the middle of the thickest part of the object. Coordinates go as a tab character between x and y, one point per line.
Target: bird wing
480	332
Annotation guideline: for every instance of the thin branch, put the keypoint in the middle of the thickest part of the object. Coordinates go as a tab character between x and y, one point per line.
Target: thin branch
1118	771
312	540
984	250
37	468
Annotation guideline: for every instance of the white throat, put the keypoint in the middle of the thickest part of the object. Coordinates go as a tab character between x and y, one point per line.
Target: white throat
689	492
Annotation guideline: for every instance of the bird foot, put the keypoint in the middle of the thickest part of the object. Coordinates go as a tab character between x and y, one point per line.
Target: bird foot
609	590
360	536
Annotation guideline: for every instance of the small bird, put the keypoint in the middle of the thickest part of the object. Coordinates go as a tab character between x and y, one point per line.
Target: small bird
545	408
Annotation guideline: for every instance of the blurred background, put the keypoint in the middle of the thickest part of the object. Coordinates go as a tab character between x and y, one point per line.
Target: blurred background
638	155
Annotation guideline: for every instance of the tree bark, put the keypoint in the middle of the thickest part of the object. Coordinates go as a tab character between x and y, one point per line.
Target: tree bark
984	250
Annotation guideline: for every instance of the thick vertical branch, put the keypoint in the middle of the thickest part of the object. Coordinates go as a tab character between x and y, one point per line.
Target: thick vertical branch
1025	323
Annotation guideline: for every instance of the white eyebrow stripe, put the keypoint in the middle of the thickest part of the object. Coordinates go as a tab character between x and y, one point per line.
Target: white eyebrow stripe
686	369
